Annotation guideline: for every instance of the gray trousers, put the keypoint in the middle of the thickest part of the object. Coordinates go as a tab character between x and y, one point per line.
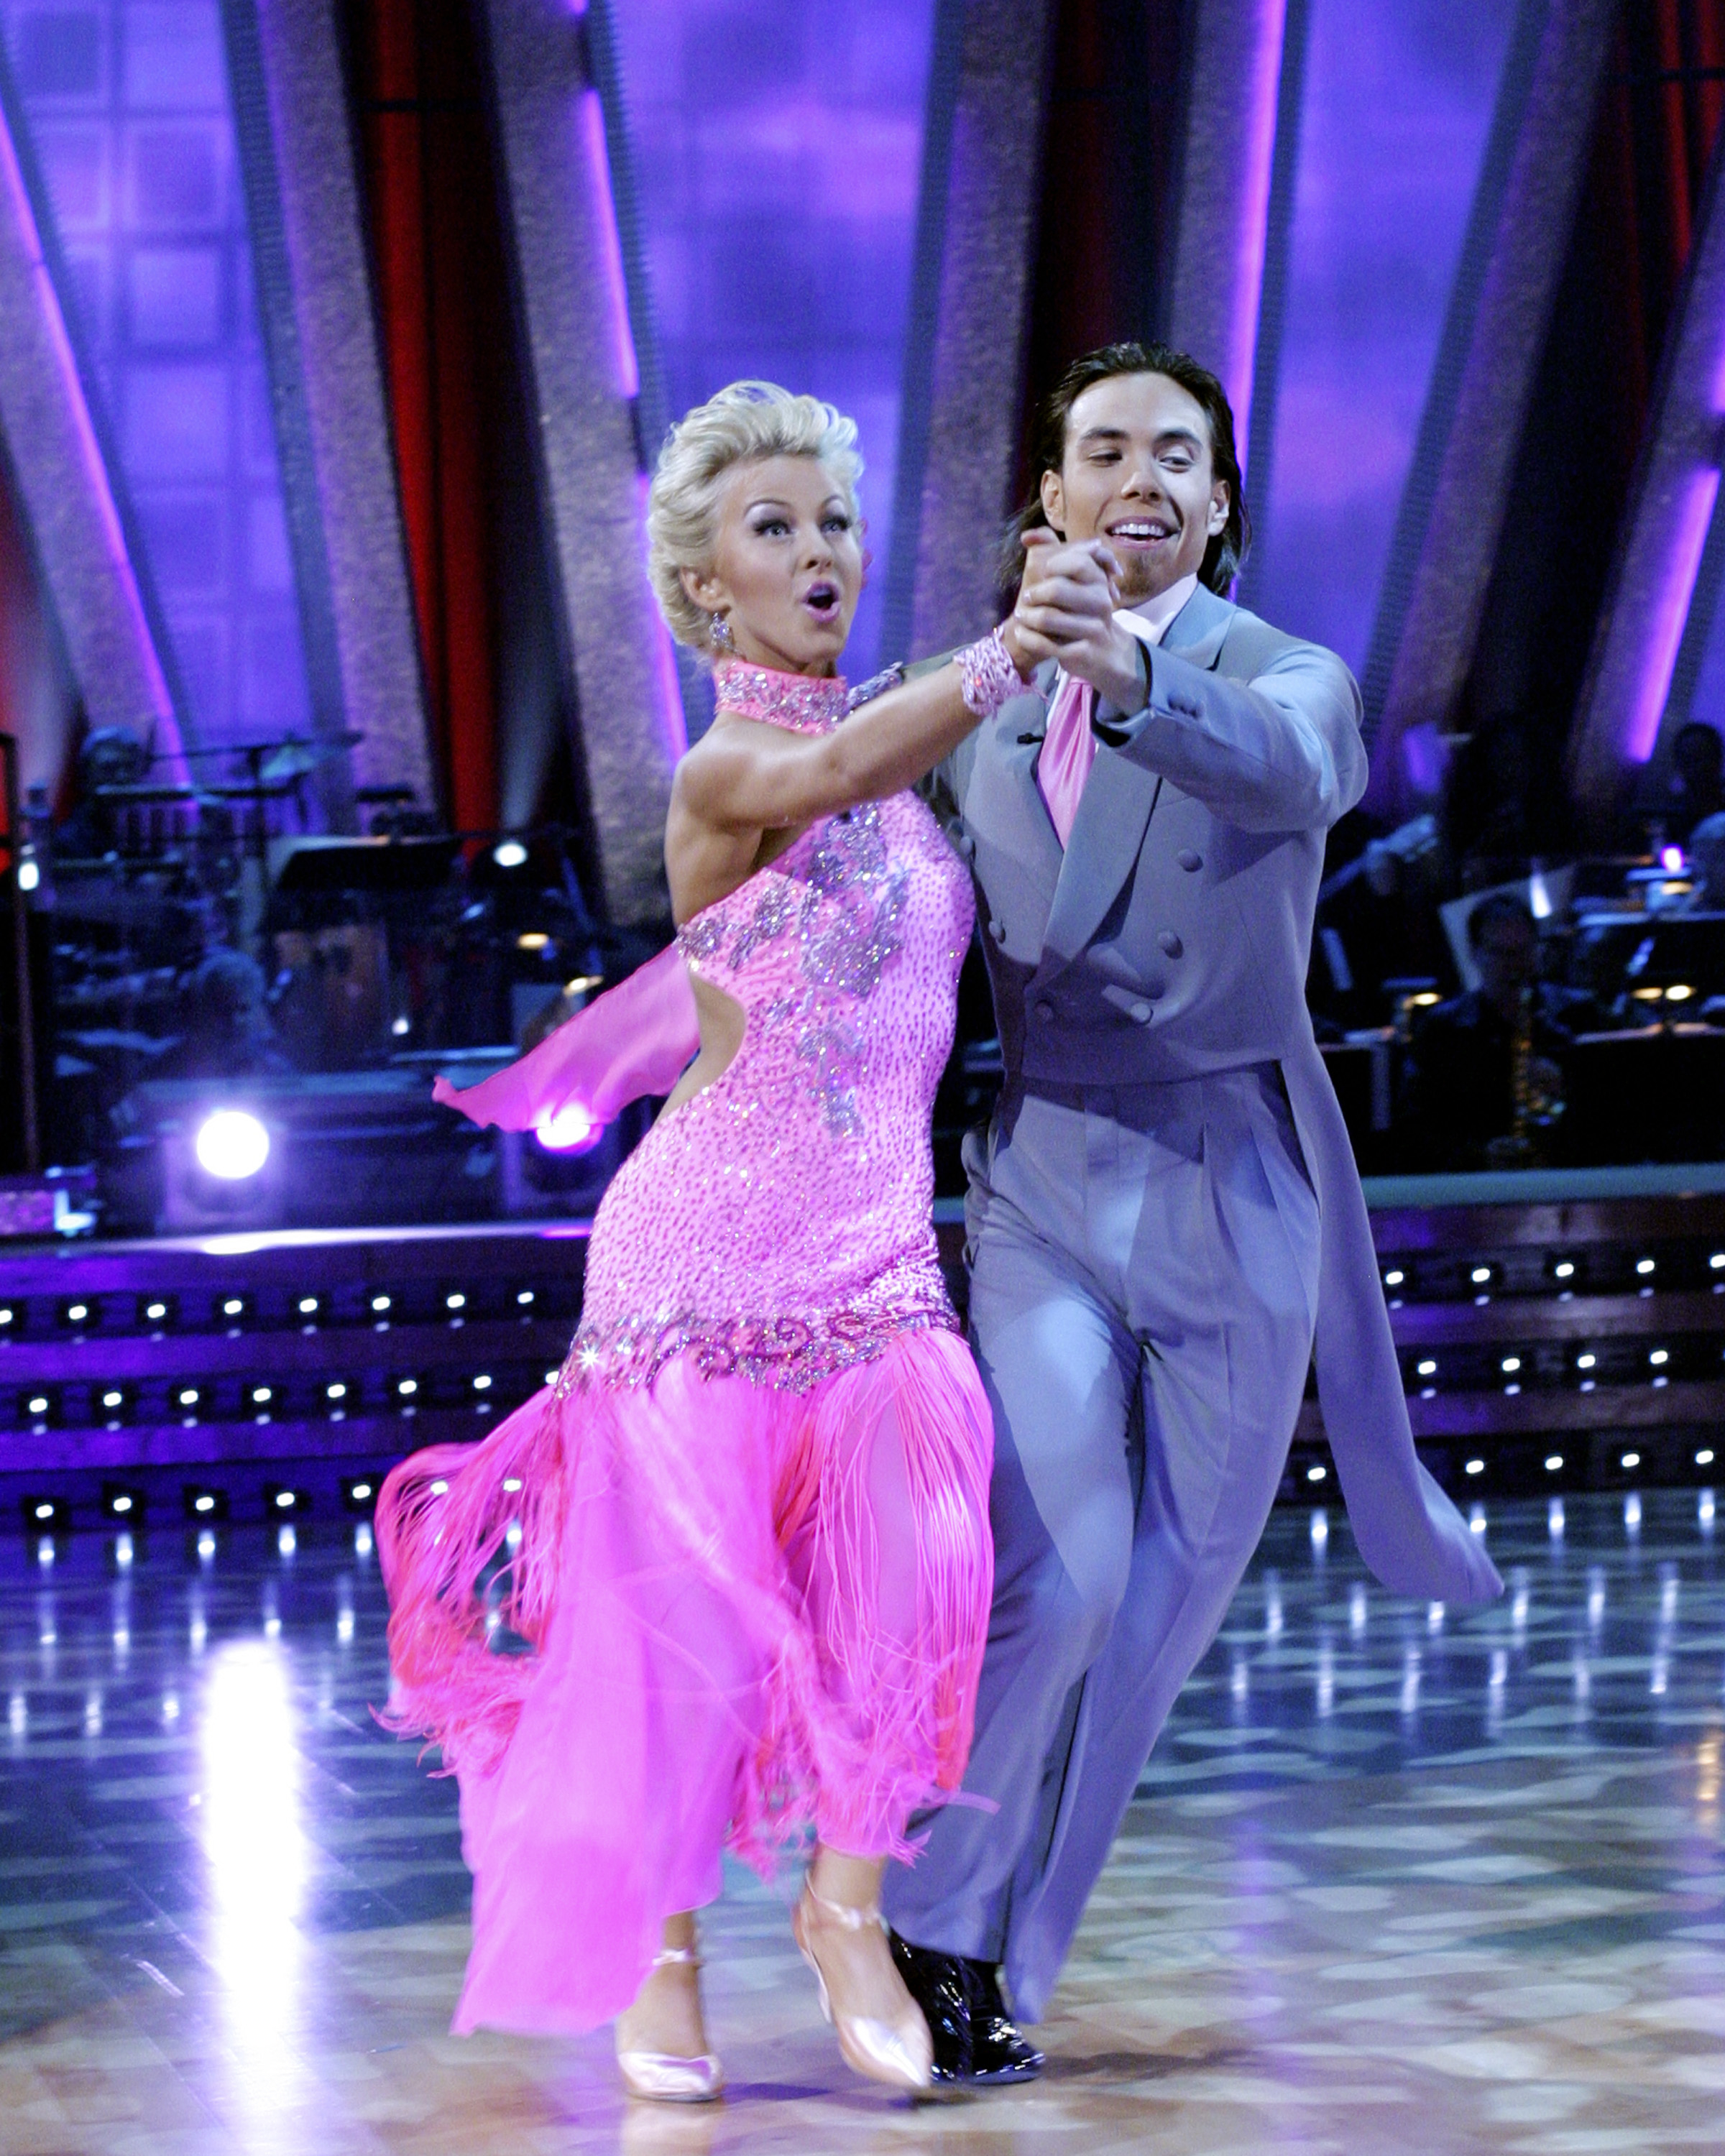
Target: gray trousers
1143	1284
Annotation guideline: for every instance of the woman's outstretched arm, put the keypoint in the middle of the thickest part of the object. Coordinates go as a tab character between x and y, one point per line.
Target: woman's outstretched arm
744	775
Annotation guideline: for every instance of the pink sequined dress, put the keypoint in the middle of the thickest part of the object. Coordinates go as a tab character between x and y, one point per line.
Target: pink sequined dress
742	1542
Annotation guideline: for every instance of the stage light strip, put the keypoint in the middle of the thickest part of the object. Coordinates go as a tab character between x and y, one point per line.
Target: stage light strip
1225	189
1655	624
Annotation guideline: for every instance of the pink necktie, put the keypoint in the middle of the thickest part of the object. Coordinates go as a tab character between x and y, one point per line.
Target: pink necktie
1069	749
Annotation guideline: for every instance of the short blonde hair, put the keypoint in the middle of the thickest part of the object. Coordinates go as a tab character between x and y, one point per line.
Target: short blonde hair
745	424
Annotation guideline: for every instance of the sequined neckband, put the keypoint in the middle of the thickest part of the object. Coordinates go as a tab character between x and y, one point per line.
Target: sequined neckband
801	702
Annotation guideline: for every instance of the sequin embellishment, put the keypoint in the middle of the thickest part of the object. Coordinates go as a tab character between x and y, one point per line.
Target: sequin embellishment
777	1225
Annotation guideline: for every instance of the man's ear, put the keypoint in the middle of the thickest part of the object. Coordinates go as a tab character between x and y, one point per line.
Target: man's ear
1220	505
1053	501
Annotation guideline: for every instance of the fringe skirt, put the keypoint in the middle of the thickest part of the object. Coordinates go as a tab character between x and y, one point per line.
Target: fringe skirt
646	1624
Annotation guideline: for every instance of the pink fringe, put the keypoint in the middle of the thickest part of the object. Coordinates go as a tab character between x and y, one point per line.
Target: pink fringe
751	1614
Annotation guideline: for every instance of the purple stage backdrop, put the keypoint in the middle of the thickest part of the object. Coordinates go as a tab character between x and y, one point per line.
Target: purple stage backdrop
1397	106
128	114
777	153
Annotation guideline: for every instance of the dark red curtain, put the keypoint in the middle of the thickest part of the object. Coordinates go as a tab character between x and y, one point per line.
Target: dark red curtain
1111	149
443	302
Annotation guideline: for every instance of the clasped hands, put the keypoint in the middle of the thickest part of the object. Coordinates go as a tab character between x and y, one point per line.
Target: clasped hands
1066	611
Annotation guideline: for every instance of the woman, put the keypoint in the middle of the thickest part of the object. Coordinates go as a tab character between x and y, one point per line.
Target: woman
745	1535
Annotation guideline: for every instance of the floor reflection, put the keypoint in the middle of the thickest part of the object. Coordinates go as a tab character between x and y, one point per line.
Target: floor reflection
1399	1876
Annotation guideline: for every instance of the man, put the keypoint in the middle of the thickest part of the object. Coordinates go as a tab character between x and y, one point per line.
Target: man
1164	1206
1459	1104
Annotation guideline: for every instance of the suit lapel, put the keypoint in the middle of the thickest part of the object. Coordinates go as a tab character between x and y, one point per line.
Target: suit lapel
1004	805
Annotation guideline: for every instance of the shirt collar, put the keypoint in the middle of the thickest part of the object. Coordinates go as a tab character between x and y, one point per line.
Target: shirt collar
1150	621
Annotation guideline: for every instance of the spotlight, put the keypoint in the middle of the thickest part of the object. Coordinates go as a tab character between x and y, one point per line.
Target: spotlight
1585	1362
1475	1467
1717	1262
1660	1356
29	868
203	1501
262	1395
1510	1365
38	1406
282	1501
80	1310
1553	1462
1394	1277
1428	1368
337	1391
187	1397
509	854
47	1516
454	1302
1704	1458
533	939
113	1398
1630	1460
120	1502
482	1384
1480	1275
523	1296
573	1128
155	1309
309	1305
1645	1266
407	1387
233	1305
8	1315
358	1493
380	1303
400	1025
1671	859
1316	1474
1564	1269
231	1145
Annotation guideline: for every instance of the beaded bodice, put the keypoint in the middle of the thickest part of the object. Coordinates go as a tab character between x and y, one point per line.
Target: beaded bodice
780	1221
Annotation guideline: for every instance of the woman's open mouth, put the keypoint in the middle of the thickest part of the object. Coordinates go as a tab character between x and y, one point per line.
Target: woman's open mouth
821	600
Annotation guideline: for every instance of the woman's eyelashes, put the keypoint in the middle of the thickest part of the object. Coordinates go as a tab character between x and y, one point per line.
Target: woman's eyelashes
779	527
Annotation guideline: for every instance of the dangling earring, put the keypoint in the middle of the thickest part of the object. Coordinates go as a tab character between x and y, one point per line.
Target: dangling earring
719	633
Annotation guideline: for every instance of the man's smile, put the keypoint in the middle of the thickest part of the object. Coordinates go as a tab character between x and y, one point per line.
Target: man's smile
1142	530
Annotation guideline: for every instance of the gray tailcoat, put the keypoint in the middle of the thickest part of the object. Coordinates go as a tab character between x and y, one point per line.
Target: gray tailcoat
1158	959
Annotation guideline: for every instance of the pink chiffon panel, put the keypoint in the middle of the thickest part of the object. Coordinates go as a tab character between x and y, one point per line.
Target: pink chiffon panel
756	1612
636	1040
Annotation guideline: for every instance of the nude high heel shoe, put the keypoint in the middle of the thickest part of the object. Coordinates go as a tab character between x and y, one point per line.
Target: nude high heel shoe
656	2076
899	2053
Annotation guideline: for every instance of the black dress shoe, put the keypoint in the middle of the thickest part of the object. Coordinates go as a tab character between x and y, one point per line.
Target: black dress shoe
940	1984
998	2051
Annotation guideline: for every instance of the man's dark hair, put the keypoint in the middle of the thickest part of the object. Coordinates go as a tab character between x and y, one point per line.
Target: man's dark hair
1227	548
1501	906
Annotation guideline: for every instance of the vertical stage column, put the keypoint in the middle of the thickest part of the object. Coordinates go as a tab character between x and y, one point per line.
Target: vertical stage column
333	425
66	490
988	94
569	274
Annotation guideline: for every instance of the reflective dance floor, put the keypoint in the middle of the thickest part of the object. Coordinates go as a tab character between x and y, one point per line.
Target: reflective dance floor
1398	1879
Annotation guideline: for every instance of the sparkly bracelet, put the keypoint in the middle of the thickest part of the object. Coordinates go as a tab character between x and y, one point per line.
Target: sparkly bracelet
986	675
